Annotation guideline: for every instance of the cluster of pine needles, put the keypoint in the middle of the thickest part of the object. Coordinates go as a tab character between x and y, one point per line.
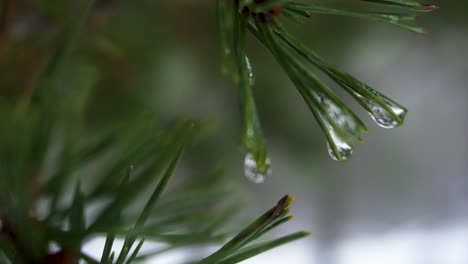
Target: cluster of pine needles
62	184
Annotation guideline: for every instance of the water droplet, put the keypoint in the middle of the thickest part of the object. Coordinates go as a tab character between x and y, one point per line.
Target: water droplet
345	152
252	172
344	149
249	71
381	115
383	118
393	18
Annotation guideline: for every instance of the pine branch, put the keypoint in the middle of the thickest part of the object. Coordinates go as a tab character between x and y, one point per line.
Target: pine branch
340	125
47	144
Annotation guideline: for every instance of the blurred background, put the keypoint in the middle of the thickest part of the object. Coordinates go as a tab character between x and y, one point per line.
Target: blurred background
402	197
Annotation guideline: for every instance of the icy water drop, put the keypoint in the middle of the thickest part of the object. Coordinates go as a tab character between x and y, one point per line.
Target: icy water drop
344	151
343	148
252	172
383	118
381	115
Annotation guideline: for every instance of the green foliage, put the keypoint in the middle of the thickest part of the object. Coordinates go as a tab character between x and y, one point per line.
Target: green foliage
236	249
54	168
338	122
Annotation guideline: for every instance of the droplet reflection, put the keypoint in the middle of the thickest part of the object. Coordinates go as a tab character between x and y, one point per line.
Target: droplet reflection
252	172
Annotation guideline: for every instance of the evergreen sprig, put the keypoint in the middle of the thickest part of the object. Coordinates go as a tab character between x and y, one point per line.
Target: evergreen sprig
239	248
54	169
263	18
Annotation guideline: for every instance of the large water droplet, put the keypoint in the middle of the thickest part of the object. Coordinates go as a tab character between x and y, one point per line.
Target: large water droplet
382	117
345	152
343	148
252	172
